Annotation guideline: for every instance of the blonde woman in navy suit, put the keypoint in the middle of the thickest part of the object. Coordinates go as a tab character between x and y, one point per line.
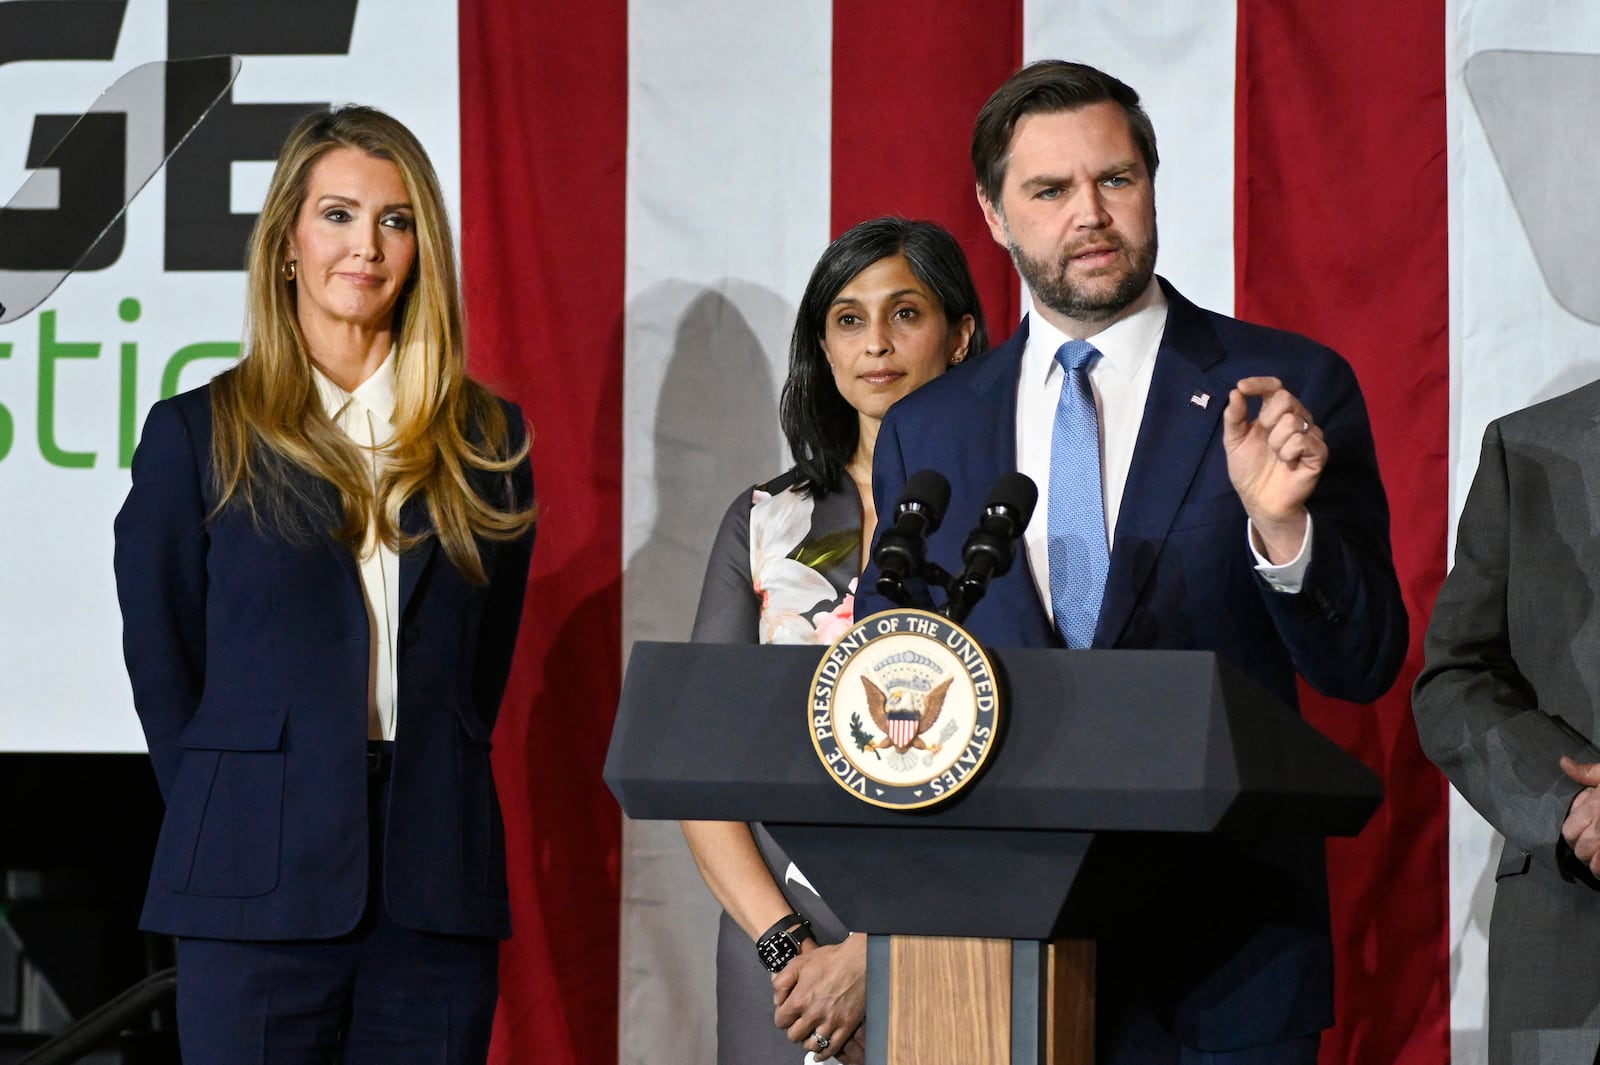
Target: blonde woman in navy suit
321	566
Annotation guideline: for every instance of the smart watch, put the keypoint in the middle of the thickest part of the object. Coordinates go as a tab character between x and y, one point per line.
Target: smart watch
781	942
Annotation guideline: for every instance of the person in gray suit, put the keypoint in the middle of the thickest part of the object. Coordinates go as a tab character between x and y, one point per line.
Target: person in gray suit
1508	705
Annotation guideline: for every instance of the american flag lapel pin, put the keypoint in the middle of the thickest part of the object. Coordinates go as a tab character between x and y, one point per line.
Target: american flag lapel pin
1201	399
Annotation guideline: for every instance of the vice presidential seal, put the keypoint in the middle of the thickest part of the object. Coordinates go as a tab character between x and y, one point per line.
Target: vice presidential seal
904	709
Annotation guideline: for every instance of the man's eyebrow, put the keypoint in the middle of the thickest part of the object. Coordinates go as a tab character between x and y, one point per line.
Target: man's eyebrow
1046	181
1121	167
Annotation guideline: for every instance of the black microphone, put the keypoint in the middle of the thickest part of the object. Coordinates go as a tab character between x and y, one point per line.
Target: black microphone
991	547
902	550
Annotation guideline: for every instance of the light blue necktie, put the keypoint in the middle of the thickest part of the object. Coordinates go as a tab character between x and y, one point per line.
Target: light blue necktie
1078	555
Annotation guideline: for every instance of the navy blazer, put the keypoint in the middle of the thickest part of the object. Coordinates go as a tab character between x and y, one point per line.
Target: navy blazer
248	654
1182	576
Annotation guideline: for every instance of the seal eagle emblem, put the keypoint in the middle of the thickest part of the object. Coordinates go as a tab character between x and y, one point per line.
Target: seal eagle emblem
904	709
905	715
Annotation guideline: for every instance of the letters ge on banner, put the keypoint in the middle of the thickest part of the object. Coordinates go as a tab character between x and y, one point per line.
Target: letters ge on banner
199	232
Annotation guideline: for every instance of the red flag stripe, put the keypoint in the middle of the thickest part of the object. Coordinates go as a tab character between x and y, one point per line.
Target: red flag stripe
1342	233
543	182
905	93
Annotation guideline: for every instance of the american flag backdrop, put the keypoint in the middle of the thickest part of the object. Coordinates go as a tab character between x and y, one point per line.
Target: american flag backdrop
644	187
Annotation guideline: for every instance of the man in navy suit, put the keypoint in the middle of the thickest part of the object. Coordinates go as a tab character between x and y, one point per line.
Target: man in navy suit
1204	483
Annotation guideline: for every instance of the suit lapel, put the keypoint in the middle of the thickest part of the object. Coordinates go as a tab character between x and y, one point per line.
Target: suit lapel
1181	415
415	562
414	520
319	511
1012	611
993	382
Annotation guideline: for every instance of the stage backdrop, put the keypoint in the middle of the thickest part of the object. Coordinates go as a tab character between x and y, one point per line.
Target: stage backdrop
161	311
643	189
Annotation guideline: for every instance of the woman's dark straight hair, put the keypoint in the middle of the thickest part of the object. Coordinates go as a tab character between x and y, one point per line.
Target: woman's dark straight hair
823	429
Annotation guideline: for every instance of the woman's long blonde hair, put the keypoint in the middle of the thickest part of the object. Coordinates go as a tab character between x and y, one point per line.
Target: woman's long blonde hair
268	421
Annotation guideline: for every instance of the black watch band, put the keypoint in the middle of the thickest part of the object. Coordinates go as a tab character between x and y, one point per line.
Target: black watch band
781	942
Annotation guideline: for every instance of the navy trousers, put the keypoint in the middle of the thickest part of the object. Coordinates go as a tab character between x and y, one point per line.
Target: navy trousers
382	995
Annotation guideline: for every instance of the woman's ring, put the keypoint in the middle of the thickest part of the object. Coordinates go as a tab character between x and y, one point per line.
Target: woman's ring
1305	426
822	1040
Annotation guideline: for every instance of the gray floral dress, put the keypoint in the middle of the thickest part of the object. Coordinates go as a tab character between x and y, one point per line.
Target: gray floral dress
782	570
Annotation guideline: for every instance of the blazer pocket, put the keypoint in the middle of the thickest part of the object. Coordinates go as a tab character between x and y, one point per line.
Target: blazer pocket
231	729
483	834
1514	861
223	832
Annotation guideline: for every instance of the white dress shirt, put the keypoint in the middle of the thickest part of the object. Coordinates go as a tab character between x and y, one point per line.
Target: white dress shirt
365	417
1121	383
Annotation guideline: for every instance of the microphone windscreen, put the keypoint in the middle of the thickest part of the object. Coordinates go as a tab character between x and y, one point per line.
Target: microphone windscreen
931	491
1017	493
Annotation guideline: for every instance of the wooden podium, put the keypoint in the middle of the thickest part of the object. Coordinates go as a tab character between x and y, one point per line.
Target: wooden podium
982	911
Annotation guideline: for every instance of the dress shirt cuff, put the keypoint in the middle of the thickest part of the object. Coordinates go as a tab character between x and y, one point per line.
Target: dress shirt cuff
1289	577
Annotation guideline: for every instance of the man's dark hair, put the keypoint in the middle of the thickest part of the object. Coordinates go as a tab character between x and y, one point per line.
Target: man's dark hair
821	427
1048	86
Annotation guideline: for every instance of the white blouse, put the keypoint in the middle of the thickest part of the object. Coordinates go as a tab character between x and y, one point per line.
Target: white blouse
365	416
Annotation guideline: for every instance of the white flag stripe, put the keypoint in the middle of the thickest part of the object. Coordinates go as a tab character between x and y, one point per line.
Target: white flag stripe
1179	56
727	210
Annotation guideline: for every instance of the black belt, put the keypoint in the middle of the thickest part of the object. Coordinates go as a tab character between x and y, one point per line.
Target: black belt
380	759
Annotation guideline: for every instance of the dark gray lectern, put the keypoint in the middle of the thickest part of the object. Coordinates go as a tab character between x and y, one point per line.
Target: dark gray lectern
1107	761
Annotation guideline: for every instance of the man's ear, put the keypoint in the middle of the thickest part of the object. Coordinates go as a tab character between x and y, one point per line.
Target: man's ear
996	220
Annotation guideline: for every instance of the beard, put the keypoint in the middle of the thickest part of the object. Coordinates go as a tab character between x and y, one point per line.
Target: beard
1089	300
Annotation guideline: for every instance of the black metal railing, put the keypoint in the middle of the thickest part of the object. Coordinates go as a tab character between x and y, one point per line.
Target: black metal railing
96	1028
